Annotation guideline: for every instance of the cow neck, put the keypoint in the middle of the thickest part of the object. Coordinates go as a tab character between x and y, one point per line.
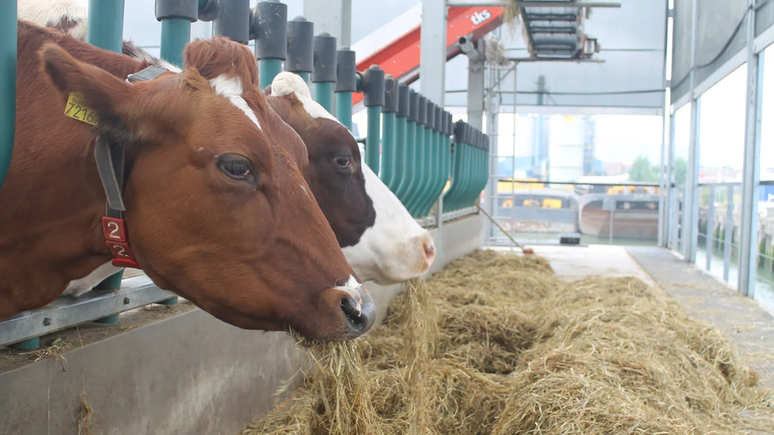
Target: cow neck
111	165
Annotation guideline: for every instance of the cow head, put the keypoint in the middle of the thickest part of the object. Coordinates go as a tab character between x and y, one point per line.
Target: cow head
389	246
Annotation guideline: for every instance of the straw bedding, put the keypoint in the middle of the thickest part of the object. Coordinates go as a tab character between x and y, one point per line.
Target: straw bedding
495	344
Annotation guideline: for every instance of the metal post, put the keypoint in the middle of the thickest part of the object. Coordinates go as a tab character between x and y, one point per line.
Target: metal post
372	86
691	207
399	143
710	227
437	156
748	253
176	18
426	168
333	17
8	44
300	47
690	201
419	144
728	231
432	64
233	20
106	25
270	31
407	172
347	81
324	74
476	86
388	130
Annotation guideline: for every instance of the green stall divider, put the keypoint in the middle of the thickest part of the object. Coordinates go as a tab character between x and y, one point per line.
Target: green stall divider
456	176
105	30
344	108
269	68
406	172
323	94
434	174
175	34
400	154
388	148
8	48
417	157
373	145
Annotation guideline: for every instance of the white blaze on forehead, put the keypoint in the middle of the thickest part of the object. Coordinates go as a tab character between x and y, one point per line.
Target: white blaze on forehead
231	88
286	83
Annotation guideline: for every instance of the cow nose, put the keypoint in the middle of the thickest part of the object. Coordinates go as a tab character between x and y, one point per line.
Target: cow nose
360	312
429	248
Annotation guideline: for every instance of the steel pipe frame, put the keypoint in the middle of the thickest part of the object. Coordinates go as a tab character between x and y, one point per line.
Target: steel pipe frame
442	175
425	167
8	48
406	174
25	328
748	247
418	154
436	173
105	30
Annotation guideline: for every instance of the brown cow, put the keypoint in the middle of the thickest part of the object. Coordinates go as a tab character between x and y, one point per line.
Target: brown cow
216	210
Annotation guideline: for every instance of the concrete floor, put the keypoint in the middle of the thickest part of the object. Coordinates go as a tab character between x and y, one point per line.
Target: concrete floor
571	263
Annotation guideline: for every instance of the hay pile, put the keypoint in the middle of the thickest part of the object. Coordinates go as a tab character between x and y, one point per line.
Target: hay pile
495	344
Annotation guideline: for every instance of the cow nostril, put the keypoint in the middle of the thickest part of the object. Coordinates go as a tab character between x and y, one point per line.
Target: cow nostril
353	311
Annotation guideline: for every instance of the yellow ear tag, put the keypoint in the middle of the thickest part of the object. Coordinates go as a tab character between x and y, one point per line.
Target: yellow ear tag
76	109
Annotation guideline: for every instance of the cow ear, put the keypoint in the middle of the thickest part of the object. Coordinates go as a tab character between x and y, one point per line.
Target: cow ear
109	96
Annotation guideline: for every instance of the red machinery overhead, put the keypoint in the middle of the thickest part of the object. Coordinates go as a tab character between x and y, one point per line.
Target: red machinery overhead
401	57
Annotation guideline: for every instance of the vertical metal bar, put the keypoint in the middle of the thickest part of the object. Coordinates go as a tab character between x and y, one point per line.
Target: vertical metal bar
433	51
388	148
671	188
666	164
269	68
748	253
710	227
8	48
175	34
333	17
374	140
728	231
270	31
610	230
347	81
692	174
513	151
344	108
691	208
106	26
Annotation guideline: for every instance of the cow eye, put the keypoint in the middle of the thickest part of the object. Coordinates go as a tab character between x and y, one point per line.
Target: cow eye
238	168
343	161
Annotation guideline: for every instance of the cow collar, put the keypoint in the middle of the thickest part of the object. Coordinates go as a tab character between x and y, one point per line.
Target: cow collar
110	157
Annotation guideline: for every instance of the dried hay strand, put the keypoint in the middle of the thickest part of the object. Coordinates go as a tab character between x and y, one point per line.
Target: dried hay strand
496	344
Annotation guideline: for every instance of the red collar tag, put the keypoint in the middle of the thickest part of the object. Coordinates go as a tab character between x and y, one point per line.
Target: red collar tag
117	241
